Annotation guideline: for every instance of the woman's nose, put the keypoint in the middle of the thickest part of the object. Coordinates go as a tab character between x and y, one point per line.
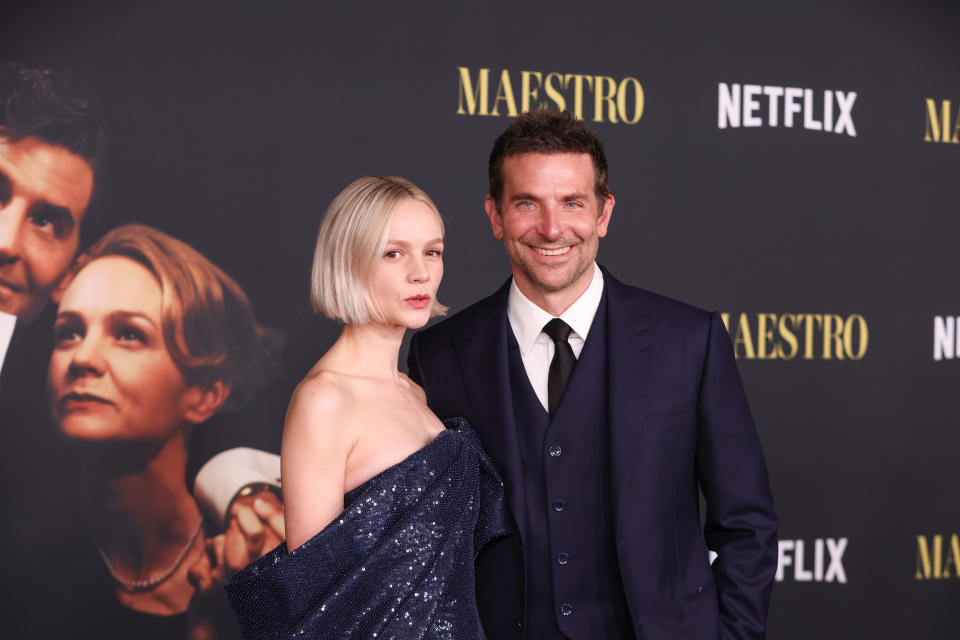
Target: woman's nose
87	358
418	270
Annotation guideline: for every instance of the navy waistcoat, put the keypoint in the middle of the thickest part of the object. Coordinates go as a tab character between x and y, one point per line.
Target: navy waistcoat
573	587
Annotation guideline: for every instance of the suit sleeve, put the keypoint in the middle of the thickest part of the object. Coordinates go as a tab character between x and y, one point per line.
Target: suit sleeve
741	525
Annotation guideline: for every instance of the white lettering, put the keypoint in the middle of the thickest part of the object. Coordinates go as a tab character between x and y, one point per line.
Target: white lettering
845	119
945	343
790	104
808	121
728	111
751	105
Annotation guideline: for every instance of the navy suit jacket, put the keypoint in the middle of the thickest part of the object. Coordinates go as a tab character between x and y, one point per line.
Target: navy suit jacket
678	424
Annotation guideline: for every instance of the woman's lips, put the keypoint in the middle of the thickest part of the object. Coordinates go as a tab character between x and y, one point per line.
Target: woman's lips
418	301
76	401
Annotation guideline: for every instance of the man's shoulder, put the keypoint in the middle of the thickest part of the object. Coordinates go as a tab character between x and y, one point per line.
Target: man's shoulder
654	305
469	319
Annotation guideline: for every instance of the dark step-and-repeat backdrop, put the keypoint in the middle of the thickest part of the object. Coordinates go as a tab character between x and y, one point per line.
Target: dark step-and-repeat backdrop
792	165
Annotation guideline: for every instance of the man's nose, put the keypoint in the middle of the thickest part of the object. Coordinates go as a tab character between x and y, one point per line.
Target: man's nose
12	216
549	223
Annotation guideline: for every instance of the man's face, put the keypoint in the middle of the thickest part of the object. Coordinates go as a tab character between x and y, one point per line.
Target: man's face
550	222
44	192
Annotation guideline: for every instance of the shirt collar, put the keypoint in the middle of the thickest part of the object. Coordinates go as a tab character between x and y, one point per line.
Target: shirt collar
527	319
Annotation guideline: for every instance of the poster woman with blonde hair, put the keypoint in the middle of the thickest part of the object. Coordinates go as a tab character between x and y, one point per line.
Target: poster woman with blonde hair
151	339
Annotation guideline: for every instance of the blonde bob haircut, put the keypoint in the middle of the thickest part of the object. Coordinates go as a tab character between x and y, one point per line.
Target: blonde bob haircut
351	238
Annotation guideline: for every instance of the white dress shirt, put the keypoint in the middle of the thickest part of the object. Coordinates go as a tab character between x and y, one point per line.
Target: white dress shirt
7	324
536	348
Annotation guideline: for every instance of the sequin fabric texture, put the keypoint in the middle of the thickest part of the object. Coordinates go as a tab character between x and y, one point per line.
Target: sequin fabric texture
396	564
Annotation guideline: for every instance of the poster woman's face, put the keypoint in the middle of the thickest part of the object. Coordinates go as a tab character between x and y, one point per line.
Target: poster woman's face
111	376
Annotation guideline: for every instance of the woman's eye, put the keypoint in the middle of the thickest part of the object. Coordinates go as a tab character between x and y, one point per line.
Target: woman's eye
391	254
130	334
66	333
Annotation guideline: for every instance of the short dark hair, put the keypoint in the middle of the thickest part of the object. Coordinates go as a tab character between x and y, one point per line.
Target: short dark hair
547	131
52	105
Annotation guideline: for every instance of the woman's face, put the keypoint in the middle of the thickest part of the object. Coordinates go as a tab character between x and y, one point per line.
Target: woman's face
111	376
408	272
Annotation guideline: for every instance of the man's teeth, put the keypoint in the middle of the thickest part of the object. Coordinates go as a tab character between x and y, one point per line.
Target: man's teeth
552	252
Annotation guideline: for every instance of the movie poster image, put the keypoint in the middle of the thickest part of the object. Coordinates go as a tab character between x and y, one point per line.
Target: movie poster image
164	169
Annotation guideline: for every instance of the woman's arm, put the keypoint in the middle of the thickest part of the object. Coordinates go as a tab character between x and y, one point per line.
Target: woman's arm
317	439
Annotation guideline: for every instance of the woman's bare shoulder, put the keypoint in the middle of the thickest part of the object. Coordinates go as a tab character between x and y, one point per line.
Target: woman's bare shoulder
322	400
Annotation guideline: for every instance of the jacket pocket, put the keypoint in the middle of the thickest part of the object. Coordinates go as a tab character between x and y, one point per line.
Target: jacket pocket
706	587
671	399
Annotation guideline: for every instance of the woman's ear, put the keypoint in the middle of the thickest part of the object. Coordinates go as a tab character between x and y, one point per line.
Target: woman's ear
204	400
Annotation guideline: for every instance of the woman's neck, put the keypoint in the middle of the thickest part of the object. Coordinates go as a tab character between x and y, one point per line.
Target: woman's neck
369	350
145	515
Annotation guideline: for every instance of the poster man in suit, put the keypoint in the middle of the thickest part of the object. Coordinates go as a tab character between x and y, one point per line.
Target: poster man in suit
608	410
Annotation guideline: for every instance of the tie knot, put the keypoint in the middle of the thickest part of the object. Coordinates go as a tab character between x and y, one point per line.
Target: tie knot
558	330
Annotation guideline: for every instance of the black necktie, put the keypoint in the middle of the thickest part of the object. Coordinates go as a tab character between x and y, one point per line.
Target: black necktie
561	367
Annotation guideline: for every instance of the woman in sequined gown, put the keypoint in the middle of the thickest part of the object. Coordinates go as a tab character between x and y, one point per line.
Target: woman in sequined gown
386	506
151	339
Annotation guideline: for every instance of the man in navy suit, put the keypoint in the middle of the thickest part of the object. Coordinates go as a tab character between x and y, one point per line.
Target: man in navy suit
608	410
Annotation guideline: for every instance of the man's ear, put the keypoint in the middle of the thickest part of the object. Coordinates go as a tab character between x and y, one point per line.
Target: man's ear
496	222
604	222
204	400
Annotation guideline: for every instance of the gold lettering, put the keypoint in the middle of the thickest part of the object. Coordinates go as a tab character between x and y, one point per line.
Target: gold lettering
474	96
809	319
743	337
600	96
526	93
932	130
788	336
764	334
832	336
505	94
552	92
577	91
637	100
725	317
848	339
953	557
925	568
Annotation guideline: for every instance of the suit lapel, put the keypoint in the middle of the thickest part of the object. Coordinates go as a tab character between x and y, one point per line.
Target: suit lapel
482	356
633	350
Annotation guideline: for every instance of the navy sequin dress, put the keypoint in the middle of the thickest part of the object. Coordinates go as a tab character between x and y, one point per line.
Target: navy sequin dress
397	563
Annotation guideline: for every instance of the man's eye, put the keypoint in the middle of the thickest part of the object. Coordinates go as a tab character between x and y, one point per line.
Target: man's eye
434	252
48	222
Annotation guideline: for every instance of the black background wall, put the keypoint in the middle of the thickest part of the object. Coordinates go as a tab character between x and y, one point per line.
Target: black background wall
232	126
